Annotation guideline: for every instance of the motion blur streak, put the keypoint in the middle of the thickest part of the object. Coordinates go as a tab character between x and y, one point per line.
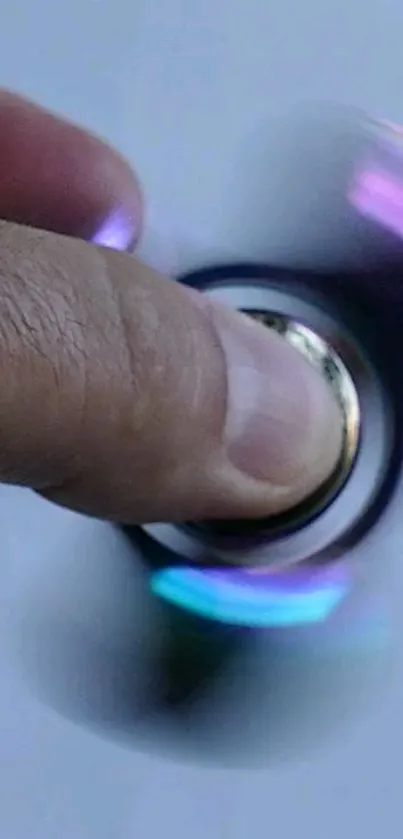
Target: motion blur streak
379	197
294	598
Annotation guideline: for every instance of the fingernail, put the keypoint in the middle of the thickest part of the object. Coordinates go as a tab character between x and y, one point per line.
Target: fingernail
283	424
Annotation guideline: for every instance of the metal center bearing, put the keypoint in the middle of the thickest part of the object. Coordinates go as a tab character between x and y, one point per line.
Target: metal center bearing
329	364
322	519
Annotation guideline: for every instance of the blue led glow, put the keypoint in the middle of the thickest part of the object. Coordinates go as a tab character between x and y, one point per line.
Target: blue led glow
254	600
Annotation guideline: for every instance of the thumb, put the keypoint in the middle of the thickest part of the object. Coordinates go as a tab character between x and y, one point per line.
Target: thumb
129	397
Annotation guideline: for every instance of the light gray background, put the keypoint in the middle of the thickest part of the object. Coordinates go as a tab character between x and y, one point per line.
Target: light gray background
237	116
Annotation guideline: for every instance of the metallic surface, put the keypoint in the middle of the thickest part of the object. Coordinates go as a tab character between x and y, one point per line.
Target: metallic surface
325	359
285	540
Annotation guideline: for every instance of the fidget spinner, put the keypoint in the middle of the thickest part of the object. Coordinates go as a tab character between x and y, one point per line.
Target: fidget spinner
297	567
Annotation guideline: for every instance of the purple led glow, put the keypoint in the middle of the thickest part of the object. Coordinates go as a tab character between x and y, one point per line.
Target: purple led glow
379	196
296	581
116	232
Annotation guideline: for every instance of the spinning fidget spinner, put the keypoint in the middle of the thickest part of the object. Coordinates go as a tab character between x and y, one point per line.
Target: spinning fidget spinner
296	568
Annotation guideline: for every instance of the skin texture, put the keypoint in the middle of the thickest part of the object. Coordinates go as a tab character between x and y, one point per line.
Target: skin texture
123	394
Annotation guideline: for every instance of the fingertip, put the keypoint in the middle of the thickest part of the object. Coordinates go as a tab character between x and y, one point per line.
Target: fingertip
57	176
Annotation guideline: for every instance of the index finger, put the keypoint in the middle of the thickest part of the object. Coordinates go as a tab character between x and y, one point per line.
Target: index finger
58	177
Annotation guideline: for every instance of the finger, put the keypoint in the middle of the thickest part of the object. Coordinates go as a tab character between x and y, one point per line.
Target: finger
55	176
125	395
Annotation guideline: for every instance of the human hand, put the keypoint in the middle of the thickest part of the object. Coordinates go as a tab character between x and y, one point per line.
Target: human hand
123	394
